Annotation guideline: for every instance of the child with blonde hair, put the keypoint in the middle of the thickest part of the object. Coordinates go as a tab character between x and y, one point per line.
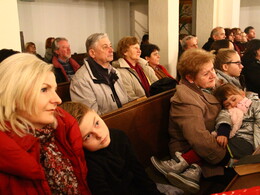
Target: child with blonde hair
113	166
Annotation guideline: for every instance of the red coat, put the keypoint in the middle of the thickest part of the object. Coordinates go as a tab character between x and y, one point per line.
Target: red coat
20	169
164	70
75	66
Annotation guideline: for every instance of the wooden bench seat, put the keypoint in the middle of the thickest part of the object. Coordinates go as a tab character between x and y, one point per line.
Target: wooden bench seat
63	90
146	124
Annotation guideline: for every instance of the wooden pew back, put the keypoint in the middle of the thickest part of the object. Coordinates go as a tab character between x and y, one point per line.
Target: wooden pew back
79	57
63	90
146	124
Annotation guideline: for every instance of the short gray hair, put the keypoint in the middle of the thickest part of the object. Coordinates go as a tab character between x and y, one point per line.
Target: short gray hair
185	39
93	39
215	31
55	44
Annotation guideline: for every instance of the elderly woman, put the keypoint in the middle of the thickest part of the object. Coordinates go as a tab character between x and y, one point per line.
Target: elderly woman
192	119
41	145
228	67
150	52
251	61
137	75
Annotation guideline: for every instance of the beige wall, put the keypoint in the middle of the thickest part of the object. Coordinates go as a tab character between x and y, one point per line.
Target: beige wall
249	15
213	13
78	19
9	25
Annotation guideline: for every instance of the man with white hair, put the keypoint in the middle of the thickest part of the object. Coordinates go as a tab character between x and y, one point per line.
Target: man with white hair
97	84
189	42
65	65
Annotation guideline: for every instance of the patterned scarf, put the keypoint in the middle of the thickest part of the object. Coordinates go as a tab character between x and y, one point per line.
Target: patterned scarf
58	168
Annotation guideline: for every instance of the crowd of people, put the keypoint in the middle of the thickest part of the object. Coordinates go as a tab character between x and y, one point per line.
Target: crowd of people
214	114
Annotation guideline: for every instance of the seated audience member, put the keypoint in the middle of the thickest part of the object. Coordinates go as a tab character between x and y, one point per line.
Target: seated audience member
228	67
237	127
192	119
238	46
243	37
229	34
220	44
181	36
48	50
251	62
97	84
189	42
238	124
62	61
145	39
137	75
5	53
41	145
31	48
244	41
217	33
150	53
112	165
250	32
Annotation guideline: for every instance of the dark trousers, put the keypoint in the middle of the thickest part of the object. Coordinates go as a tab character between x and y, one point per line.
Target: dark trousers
219	182
239	147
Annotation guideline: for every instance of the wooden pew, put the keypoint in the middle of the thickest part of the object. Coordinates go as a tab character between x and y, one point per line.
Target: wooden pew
146	124
79	57
63	90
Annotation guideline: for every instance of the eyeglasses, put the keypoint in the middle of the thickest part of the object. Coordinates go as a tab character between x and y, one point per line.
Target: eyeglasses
237	63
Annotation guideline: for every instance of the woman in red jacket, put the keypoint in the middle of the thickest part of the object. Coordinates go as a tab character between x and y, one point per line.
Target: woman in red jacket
41	145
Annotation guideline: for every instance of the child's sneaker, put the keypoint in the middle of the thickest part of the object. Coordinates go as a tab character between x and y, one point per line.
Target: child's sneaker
176	165
188	180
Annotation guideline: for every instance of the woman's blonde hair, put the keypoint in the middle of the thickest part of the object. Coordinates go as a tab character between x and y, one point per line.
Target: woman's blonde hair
21	78
192	61
223	57
124	44
76	109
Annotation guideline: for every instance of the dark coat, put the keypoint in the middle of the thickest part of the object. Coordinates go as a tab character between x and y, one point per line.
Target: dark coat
251	72
208	44
75	66
115	170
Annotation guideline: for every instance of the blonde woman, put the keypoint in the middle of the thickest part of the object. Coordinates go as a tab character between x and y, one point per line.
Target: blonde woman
41	145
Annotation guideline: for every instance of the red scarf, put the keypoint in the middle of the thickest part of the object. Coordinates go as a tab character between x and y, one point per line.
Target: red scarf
142	77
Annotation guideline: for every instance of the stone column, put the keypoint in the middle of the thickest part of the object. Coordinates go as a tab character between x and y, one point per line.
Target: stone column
164	31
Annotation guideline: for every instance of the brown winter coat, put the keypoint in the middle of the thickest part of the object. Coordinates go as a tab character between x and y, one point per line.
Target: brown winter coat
192	118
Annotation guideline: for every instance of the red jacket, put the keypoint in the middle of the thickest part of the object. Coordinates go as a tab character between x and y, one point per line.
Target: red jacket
20	169
72	62
165	70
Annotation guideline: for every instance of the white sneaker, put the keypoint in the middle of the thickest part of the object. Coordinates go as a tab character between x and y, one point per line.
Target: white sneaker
176	165
188	180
